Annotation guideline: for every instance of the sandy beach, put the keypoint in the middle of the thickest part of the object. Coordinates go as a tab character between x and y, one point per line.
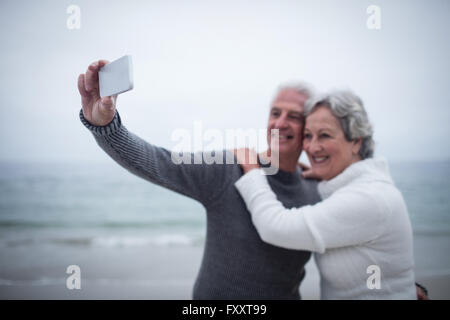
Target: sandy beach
147	272
124	273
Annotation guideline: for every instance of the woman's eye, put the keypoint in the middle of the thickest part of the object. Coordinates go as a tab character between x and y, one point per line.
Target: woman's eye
307	136
324	135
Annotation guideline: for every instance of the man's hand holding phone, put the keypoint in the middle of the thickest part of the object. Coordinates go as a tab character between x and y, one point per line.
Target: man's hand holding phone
99	88
98	111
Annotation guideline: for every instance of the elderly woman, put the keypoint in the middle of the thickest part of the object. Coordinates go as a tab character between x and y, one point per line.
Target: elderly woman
360	231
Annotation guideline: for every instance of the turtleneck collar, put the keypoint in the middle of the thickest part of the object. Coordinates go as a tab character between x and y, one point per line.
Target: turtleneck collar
373	169
283	176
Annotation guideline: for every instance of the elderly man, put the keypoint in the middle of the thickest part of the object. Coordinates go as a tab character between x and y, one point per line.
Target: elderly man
236	264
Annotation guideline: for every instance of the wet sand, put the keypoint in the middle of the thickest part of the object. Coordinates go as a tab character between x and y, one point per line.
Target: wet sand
147	272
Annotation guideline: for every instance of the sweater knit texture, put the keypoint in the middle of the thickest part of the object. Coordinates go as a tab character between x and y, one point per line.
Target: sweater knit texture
360	230
236	263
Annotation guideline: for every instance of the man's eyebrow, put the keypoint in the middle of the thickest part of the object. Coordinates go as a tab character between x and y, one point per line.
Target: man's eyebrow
290	112
295	114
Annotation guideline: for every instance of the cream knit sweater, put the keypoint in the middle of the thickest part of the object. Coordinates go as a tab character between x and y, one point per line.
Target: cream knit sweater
361	225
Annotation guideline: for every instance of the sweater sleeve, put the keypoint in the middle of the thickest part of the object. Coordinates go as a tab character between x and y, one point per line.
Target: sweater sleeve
197	180
346	218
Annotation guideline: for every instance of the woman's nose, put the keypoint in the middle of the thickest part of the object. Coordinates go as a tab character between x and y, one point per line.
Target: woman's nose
312	146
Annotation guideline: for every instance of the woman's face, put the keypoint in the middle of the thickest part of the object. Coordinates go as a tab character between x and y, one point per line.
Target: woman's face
324	142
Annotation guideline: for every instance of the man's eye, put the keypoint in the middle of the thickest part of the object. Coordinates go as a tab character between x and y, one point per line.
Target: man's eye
324	135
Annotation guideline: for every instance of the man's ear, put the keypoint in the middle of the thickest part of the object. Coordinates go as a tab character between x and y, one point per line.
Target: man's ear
357	143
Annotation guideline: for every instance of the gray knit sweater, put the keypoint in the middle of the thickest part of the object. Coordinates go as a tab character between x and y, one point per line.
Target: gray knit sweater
236	264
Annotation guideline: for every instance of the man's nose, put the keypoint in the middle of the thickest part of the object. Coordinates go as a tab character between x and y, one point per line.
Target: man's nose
281	122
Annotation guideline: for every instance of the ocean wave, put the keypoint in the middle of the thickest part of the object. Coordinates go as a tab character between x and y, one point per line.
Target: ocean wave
433	273
430	231
164	240
103	225
100	281
34	282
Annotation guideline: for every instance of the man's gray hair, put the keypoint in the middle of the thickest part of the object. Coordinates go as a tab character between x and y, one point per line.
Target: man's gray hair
299	86
348	108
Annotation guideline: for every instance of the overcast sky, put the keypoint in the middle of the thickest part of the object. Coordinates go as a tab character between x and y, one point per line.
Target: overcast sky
220	62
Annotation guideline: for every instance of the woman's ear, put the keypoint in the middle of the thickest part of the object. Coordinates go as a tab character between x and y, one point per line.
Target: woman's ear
357	143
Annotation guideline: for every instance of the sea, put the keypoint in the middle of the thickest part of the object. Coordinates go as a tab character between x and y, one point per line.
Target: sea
58	207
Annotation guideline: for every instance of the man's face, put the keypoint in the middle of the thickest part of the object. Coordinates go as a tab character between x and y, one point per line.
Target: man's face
286	115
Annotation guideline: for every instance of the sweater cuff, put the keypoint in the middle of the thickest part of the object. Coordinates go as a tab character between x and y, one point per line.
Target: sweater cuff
108	129
251	182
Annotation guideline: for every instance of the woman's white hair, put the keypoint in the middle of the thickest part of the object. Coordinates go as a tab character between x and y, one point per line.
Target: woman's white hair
348	108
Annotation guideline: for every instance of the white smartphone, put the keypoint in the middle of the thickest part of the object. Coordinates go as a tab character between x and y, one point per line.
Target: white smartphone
116	77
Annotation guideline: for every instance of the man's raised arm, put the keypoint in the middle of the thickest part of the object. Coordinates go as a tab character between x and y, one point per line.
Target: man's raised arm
199	181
